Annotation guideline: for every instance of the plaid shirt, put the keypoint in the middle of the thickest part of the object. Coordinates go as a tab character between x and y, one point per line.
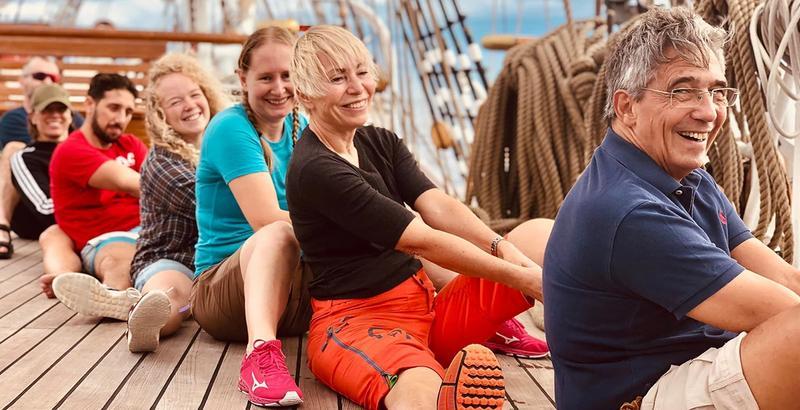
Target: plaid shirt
167	206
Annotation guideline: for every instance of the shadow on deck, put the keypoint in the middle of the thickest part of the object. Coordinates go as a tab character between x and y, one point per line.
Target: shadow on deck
51	357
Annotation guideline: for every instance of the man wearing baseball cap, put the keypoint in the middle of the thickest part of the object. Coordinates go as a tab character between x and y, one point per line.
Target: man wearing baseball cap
26	199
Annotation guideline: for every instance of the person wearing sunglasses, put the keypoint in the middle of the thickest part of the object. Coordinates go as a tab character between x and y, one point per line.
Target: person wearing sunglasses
15	135
658	295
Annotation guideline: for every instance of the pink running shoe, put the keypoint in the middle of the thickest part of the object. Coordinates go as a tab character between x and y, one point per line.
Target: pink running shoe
265	378
512	339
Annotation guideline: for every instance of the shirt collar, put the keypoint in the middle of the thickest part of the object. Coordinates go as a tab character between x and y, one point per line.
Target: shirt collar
638	162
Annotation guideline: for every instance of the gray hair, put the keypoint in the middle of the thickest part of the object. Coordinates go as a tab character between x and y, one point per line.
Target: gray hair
335	43
640	50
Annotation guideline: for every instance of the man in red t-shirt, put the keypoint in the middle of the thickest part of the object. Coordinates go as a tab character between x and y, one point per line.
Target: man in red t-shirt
94	177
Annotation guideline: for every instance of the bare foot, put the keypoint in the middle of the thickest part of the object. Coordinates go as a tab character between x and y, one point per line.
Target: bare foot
46	283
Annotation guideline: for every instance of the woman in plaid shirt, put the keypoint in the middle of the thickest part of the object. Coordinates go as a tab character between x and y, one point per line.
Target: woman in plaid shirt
181	98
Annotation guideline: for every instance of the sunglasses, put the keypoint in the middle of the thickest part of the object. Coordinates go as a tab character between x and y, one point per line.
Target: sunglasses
40	76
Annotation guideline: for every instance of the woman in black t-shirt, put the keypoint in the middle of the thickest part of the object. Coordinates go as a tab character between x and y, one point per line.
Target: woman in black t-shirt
377	334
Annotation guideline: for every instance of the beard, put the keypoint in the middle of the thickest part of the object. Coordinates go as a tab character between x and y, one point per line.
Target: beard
101	134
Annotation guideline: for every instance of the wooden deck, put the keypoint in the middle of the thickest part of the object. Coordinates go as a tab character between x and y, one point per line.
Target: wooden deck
51	357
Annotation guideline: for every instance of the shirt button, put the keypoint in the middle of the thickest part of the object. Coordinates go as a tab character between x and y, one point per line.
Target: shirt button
679	192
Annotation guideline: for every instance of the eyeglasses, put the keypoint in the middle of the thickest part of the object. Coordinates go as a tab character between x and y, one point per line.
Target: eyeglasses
40	76
693	97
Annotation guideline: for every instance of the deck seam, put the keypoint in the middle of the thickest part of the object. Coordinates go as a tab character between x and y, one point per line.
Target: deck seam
13	275
20	305
87	373
124	381
31	321
214	376
18	288
525	368
36	380
175	369
35	345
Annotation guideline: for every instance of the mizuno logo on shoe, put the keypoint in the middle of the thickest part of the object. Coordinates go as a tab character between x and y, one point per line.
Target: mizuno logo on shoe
508	340
257	384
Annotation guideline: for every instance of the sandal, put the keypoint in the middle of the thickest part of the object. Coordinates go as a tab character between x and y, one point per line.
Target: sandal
9	252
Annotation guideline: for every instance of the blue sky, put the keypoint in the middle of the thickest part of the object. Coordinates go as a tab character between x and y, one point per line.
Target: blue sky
525	17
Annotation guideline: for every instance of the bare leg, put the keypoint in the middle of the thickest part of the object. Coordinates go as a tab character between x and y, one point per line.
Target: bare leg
177	286
58	257
531	238
267	260
10	196
112	265
771	361
416	388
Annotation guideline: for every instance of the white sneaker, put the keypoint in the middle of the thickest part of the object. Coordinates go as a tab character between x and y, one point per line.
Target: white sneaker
146	319
85	294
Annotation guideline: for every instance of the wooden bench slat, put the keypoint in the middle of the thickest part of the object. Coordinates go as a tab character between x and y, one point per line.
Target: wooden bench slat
76	47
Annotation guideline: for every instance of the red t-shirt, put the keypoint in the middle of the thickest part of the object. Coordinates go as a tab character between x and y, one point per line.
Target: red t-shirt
84	212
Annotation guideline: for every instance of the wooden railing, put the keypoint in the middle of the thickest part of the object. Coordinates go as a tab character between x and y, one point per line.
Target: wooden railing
82	53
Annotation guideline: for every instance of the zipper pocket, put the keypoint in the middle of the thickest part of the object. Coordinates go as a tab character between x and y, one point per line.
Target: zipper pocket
390	379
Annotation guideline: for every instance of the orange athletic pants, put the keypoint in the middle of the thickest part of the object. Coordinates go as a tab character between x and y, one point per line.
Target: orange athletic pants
358	347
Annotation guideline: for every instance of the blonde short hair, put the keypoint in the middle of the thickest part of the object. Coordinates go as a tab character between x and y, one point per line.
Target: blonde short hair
338	45
162	134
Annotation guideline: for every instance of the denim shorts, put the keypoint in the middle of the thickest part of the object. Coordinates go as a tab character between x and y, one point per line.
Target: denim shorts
159	266
89	251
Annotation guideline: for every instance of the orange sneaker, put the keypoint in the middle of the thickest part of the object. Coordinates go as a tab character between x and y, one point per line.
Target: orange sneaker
474	380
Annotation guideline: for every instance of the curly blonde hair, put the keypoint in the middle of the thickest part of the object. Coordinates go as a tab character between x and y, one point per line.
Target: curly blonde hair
162	134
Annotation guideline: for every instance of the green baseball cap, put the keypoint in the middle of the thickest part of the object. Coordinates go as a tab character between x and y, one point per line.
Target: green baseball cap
47	94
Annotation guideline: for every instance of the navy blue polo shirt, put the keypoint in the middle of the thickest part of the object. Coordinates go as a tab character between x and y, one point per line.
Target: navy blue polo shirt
631	253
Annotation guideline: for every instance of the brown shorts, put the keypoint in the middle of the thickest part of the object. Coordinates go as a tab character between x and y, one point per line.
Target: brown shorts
217	301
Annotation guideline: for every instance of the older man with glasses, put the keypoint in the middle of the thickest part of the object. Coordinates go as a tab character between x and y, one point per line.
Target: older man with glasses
14	136
657	293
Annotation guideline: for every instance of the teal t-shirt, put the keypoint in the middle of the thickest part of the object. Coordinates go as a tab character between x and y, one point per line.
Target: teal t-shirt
231	149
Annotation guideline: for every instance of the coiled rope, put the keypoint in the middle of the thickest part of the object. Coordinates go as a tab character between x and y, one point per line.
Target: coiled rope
544	117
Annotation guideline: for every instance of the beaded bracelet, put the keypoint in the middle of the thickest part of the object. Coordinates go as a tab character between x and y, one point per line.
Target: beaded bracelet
495	242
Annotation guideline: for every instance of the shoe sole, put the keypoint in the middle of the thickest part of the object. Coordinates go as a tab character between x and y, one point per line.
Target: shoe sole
289	399
473	381
498	348
85	294
146	320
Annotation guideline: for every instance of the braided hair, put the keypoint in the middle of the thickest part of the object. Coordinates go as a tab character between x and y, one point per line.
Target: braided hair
260	37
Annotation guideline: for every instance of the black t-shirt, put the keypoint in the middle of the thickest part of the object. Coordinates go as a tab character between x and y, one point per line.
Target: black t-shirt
348	219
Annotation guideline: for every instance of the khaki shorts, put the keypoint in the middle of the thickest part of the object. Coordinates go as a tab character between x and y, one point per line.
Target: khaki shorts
217	301
713	380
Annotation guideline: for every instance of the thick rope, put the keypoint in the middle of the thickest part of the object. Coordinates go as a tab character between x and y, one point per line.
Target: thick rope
544	117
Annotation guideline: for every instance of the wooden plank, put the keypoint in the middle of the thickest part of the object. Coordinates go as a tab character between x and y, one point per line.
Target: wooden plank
13	345
35	363
18	344
188	386
24	304
100	384
315	394
58	381
70	47
520	386
25	276
53	318
22	247
224	392
20	264
144	386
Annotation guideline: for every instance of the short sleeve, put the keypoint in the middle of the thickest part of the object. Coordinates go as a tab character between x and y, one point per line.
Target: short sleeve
170	182
77	162
668	260
340	193
411	181
13	127
233	148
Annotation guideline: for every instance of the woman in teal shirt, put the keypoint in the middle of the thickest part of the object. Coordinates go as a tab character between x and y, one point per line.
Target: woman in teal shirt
247	258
